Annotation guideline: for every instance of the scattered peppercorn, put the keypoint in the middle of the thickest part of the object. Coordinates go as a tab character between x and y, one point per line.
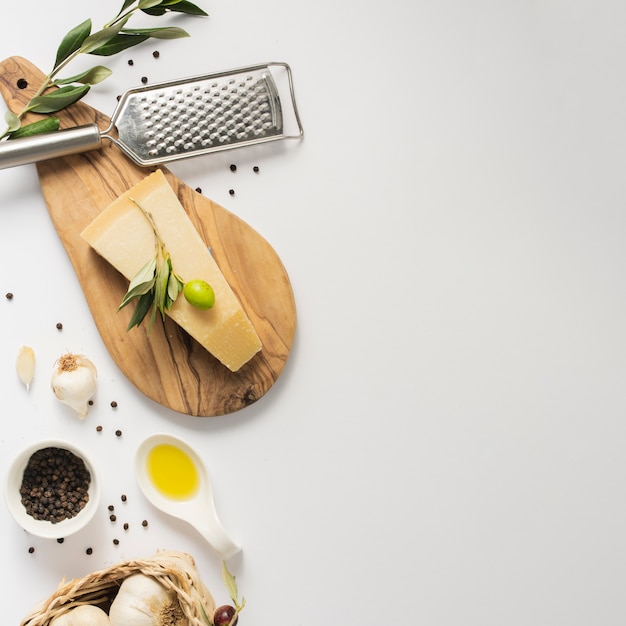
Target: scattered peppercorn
114	404
54	485
144	79
90	403
123	498
9	296
22	83
59	326
111	507
89	551
125	525
60	540
199	189
118	433
116	542
231	192
144	523
255	168
31	550
131	62
156	54
233	168
99	429
113	518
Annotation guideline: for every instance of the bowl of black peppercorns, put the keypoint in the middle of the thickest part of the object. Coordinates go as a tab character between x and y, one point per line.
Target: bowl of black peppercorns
52	489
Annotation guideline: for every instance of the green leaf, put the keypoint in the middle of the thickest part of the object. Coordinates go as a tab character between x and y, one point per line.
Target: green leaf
141	310
118	44
183	6
174	287
13	121
230	582
72	41
142	282
102	37
161	285
57	100
148	4
92	77
47	125
167	32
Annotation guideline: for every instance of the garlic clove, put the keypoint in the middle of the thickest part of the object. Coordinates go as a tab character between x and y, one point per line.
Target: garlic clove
74	382
82	615
25	365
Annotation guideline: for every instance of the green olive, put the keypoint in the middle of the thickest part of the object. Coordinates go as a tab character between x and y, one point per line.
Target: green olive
199	294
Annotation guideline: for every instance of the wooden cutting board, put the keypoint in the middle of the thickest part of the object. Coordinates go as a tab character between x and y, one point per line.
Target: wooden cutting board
168	366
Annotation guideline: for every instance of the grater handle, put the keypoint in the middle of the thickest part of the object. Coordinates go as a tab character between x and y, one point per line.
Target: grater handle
14	152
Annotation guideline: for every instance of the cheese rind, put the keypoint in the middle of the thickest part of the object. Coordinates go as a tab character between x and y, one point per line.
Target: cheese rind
124	237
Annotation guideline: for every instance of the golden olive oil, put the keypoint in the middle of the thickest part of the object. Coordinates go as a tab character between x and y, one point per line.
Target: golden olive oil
172	472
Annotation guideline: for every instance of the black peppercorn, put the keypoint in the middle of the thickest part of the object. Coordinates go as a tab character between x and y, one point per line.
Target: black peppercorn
116	542
31	550
118	433
114	404
89	551
255	168
144	79
144	523
233	168
231	192
9	296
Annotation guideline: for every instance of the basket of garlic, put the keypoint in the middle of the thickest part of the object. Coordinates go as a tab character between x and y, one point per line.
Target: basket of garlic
163	590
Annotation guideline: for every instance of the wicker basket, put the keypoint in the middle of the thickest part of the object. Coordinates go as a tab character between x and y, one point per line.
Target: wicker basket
175	570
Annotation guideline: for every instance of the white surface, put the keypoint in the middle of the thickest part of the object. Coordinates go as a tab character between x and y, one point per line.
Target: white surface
446	445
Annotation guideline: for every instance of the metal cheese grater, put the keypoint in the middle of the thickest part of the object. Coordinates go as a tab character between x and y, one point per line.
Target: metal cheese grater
179	119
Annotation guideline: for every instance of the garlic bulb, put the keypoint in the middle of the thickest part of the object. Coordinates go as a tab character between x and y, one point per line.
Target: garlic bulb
143	601
83	615
74	382
25	365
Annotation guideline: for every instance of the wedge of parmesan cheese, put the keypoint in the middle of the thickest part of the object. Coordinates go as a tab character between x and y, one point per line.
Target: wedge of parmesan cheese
124	237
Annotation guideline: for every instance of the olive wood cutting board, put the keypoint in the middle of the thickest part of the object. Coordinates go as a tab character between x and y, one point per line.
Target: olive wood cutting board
168	366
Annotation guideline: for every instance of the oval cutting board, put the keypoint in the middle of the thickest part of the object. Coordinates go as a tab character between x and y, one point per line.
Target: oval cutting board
168	366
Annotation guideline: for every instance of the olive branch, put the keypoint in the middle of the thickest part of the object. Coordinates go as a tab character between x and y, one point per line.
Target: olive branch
114	37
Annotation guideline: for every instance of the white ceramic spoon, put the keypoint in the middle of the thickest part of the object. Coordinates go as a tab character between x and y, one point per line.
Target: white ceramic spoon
198	510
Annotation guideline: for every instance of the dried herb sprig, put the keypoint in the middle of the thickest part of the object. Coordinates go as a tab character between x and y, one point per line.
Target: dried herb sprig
115	36
155	286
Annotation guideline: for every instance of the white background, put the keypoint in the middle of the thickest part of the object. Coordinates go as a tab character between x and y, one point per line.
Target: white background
446	444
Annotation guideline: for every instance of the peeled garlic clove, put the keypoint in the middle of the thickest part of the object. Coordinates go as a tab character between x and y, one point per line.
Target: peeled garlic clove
74	382
25	365
83	615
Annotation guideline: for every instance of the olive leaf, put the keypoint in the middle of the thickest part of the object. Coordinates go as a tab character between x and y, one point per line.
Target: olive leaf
102	37
46	125
142	283
166	32
118	44
141	310
182	6
231	586
12	120
147	4
57	100
72	41
92	76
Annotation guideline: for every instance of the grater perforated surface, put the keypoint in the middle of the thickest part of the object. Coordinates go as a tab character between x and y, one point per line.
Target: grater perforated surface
183	118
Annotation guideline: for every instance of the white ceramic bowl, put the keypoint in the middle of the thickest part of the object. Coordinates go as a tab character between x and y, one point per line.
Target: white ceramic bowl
43	528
